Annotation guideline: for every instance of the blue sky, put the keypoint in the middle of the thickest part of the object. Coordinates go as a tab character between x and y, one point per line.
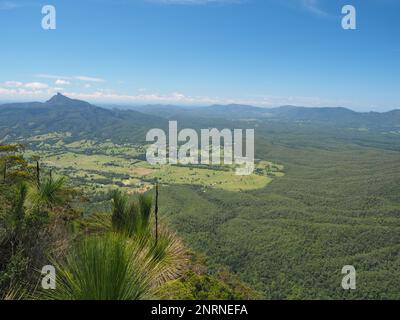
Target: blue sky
260	52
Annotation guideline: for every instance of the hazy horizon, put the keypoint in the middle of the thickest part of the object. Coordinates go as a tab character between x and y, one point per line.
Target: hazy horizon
133	105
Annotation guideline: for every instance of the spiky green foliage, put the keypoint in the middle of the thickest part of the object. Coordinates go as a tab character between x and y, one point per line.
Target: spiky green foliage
13	264
117	259
49	193
168	255
14	293
14	167
96	223
106	267
34	223
12	219
133	220
18	210
120	203
145	205
165	257
130	217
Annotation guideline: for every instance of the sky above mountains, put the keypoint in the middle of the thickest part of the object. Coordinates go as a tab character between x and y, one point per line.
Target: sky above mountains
259	52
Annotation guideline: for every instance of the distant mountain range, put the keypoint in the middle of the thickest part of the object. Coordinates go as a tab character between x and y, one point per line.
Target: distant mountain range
341	117
82	119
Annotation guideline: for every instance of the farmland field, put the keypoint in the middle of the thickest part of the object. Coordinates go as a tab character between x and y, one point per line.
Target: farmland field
107	165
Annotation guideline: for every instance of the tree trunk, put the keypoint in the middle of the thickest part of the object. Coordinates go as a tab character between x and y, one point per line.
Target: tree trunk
156	212
37	173
5	170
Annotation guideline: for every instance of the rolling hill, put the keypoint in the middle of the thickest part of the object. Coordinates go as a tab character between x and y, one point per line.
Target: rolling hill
341	117
81	119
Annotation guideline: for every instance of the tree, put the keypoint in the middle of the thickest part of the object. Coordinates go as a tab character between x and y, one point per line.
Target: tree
105	267
130	223
14	165
18	211
130	217
48	194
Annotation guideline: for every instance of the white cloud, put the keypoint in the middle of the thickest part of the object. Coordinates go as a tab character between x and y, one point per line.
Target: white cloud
61	82
7	92
51	76
28	85
33	90
20	93
89	79
13	84
66	78
35	85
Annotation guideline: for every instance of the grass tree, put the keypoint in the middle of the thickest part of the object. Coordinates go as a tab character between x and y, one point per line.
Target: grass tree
110	266
131	217
104	267
119	257
50	193
18	210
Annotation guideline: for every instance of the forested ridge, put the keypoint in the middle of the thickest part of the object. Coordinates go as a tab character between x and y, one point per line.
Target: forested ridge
335	206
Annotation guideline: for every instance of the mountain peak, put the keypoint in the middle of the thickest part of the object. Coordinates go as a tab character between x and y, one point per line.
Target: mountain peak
59	98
